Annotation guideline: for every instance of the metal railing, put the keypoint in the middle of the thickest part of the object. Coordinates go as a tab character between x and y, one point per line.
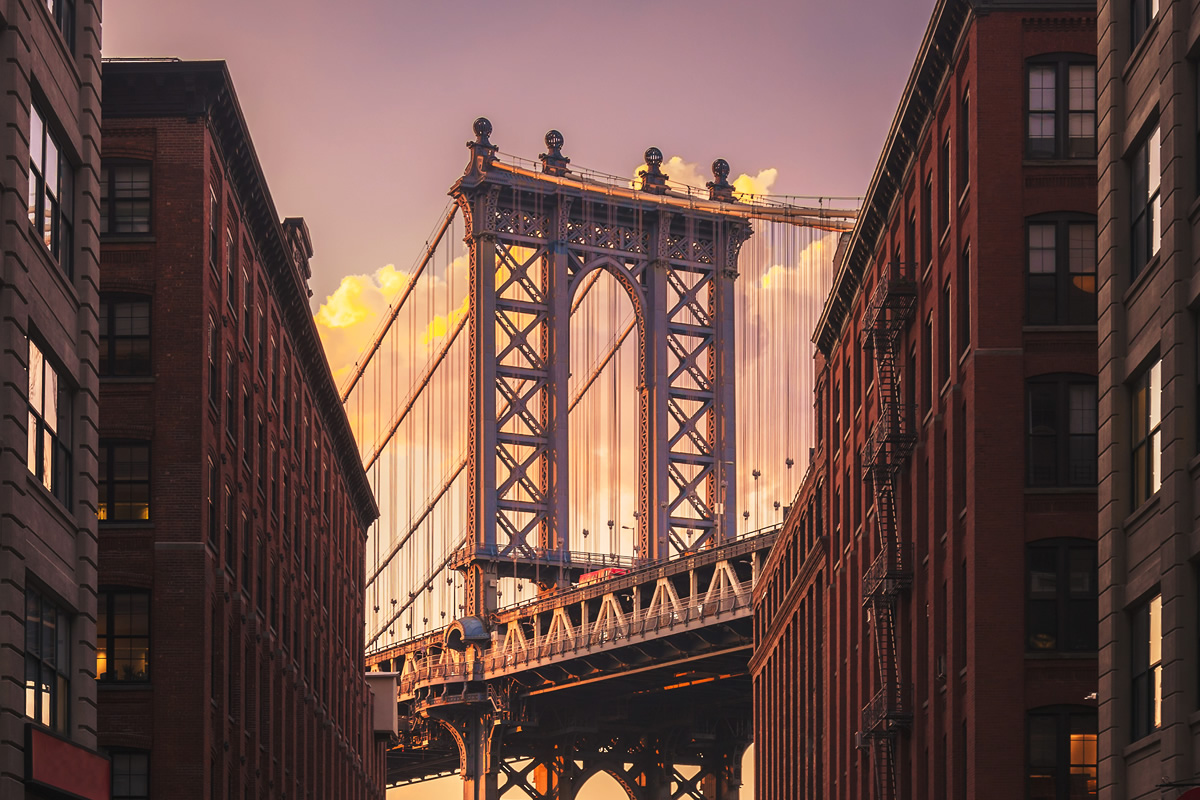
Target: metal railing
581	638
889	572
890	708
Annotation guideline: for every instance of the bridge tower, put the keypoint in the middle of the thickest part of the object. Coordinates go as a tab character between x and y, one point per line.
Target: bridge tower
534	236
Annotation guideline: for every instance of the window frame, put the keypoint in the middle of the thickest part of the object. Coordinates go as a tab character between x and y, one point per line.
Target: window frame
1142	16
1064	718
1062	383
107	482
40	433
109	336
1062	148
1147	484
1146	699
118	756
1066	599
1145	196
107	636
54	709
1062	277
57	232
108	196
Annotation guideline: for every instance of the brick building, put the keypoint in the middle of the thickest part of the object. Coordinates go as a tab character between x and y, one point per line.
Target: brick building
50	116
233	507
1149	169
952	584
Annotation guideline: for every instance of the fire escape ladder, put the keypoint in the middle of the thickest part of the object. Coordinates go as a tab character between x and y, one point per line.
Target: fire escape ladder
887	448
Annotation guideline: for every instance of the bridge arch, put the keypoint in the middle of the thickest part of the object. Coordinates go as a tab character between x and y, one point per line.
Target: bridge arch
614	772
607	481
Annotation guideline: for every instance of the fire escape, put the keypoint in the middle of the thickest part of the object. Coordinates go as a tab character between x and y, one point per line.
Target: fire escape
884	453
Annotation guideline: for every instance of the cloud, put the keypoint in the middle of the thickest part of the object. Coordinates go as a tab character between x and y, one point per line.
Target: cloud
697	175
441	324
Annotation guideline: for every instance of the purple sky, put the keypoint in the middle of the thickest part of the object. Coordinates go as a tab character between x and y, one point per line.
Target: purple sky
359	109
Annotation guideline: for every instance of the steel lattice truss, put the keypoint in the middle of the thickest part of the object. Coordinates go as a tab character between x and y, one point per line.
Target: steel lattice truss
533	242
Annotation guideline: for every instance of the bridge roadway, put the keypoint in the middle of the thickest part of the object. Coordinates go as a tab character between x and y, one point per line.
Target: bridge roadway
641	676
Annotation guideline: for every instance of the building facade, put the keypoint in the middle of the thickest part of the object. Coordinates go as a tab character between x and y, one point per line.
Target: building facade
955	566
50	116
1149	83
232	505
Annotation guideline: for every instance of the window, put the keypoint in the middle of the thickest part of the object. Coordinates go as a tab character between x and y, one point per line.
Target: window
262	341
130	776
927	359
51	190
945	187
1060	286
247	552
214	514
1061	610
1062	108
63	12
964	142
944	335
1142	13
927	217
230	408
124	481
124	335
1145	175
230	275
1062	753
214	236
964	301
214	355
1061	420
1146	634
1147	433
123	636
248	300
230	511
125	197
247	428
910	247
49	426
47	661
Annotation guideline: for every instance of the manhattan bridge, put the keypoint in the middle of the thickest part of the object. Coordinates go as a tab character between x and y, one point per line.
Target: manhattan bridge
577	495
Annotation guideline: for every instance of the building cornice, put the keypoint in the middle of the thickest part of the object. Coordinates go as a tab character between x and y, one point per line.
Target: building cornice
203	91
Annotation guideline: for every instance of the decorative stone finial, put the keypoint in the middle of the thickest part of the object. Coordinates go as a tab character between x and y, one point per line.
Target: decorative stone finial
483	152
721	189
653	179
483	129
554	162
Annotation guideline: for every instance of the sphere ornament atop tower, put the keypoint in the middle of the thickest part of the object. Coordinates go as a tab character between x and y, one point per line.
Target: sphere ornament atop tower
653	178
720	188
553	161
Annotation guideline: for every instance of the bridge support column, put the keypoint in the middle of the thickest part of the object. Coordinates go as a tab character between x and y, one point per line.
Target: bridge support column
479	775
724	778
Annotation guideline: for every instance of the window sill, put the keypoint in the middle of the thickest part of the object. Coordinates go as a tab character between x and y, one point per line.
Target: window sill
1058	328
1089	162
1149	741
945	388
123	686
962	196
55	505
127	238
1058	490
1143	277
1141	512
965	353
132	524
128	379
1139	50
1193	465
1055	655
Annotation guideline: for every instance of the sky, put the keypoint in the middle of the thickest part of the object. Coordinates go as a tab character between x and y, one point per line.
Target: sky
359	109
